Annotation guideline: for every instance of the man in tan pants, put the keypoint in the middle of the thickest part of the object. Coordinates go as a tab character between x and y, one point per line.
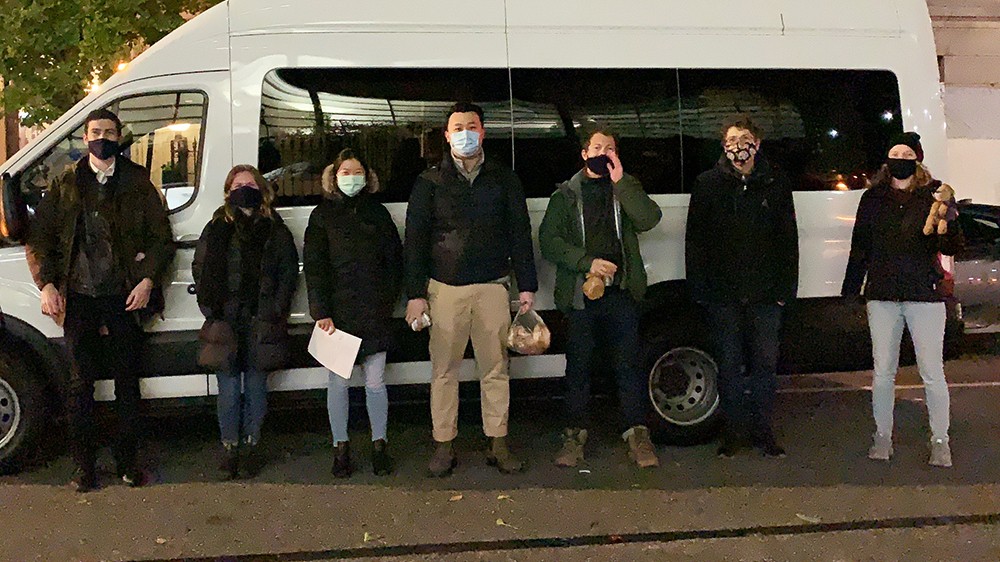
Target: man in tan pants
467	233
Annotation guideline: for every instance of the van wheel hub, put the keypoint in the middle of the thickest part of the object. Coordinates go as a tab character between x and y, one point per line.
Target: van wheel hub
10	413
683	386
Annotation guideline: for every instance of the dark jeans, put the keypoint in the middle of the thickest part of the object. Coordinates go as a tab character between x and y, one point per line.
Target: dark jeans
613	320
746	339
97	356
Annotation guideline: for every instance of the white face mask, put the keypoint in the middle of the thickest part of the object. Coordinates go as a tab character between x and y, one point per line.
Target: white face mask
351	185
465	143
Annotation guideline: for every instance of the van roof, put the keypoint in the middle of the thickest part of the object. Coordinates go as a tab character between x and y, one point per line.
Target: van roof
842	17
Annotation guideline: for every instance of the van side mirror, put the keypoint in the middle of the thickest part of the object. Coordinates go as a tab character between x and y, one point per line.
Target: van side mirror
13	211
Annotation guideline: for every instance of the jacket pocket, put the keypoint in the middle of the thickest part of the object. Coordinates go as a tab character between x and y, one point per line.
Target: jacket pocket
218	344
269	349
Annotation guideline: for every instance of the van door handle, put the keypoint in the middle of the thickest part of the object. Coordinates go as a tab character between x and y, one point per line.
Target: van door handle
187	241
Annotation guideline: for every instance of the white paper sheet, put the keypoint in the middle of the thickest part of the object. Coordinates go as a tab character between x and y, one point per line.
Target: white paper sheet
337	351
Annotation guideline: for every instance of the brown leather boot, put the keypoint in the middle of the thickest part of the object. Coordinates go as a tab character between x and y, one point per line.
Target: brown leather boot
499	455
443	461
572	449
640	447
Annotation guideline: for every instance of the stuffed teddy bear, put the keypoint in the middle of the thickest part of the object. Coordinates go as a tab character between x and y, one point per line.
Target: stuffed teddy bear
942	211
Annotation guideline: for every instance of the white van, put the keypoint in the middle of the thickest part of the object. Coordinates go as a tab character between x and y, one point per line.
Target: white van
286	85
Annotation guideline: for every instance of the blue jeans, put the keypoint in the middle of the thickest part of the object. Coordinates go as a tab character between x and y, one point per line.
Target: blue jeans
926	321
376	399
746	338
244	410
613	320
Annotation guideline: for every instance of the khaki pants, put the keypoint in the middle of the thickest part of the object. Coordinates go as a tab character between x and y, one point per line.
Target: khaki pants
481	311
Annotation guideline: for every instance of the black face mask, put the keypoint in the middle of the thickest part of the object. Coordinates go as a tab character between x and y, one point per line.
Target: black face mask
599	165
901	168
102	149
246	198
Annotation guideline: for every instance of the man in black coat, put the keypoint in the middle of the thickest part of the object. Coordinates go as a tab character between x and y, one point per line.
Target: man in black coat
742	266
467	232
102	241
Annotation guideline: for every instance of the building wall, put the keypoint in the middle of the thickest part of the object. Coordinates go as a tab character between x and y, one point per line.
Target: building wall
967	34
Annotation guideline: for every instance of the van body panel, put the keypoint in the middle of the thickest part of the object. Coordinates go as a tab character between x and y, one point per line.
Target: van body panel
227	51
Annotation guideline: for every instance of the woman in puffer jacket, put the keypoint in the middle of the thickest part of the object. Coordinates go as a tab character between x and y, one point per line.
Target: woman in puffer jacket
898	265
245	269
353	260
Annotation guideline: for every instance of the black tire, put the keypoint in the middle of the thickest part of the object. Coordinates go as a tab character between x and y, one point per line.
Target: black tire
22	412
683	392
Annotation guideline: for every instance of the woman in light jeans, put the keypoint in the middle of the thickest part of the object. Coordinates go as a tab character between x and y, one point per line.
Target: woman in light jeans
903	272
353	259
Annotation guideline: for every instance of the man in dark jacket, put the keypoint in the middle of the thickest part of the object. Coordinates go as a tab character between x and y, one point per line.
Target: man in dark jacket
102	241
742	266
467	230
590	230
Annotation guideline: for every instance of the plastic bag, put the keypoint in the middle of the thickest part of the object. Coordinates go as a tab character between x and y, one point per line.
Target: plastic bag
528	334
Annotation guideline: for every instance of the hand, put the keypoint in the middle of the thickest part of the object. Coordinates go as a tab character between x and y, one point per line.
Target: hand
53	304
326	324
139	297
527	299
617	172
603	268
415	308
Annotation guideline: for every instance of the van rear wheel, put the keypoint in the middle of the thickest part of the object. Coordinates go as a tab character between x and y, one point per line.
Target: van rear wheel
21	412
684	393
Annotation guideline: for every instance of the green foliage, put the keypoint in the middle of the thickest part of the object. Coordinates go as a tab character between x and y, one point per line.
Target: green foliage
50	48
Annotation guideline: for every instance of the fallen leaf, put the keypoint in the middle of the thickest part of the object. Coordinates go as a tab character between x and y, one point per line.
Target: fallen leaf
808	519
584	471
456	497
161	540
502	523
369	537
504	497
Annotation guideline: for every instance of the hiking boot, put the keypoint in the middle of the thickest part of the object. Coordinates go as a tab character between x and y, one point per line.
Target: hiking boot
381	461
342	465
881	449
443	461
499	455
230	464
640	448
768	445
85	481
572	448
940	453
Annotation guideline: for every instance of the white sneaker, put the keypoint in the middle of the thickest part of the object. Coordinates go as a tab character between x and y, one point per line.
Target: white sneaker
881	449
940	453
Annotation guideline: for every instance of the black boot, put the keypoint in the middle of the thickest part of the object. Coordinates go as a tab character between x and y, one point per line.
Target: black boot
382	463
730	443
230	464
764	440
253	459
342	465
85	480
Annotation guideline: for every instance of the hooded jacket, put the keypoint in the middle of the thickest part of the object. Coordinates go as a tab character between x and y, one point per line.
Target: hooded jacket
562	237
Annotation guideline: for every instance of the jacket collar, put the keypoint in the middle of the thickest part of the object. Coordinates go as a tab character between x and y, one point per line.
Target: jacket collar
761	169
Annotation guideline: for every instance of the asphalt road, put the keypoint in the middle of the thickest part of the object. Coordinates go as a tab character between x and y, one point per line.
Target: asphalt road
825	501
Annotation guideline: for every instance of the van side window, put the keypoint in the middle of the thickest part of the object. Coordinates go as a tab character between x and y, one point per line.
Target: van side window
393	117
826	129
162	132
552	106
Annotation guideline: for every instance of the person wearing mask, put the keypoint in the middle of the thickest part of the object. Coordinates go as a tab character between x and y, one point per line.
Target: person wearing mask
467	232
591	228
742	260
353	265
100	244
896	266
245	270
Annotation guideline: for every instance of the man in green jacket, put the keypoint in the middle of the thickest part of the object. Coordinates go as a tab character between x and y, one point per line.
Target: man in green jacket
590	230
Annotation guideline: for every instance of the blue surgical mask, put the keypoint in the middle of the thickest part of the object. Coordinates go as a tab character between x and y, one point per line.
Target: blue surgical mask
465	143
351	185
